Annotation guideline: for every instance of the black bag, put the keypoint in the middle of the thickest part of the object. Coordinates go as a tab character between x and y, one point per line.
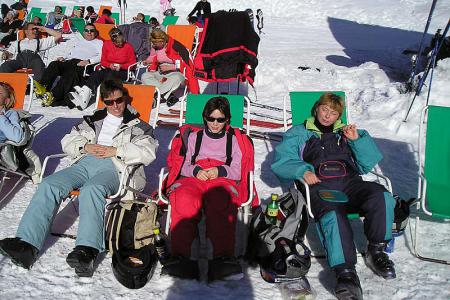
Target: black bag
279	249
129	237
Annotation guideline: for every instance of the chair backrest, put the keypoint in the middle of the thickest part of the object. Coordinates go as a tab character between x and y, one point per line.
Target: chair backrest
19	83
103	31
185	34
79	24
32	12
146	18
302	103
196	102
116	17
102	8
437	161
21	14
170	20
142	100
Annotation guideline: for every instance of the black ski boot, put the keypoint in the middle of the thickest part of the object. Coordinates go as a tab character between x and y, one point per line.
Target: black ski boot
224	268
378	261
181	267
82	259
348	286
21	253
172	100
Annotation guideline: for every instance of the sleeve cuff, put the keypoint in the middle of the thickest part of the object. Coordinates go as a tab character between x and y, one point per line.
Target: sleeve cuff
222	171
196	170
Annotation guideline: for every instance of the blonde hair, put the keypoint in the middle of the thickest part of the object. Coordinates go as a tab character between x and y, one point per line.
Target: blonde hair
9	94
158	35
334	101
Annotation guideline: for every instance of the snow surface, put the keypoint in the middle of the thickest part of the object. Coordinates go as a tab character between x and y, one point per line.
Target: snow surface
357	45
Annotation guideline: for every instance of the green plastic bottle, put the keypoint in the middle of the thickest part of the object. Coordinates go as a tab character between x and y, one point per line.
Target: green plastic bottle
272	210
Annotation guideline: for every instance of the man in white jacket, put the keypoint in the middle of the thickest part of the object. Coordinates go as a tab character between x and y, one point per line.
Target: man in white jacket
81	52
100	146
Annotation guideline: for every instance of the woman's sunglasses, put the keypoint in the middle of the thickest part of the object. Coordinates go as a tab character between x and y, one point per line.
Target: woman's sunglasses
117	101
219	120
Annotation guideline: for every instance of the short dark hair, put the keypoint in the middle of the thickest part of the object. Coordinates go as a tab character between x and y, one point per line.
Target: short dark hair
90	9
109	86
153	20
106	12
219	103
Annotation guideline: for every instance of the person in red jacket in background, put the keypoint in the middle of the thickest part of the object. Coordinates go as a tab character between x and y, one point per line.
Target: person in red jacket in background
105	18
117	56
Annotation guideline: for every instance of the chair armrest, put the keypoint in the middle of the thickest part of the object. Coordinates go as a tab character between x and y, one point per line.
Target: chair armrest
385	178
308	198
162	176
250	194
47	158
125	171
90	66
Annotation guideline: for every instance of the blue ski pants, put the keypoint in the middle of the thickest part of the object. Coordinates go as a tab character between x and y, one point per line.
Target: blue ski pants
95	178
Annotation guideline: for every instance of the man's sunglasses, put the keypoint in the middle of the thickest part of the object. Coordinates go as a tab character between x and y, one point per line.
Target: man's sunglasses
219	120
117	101
89	30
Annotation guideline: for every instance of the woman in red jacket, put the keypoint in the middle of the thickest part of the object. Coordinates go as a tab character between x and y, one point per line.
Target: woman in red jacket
117	56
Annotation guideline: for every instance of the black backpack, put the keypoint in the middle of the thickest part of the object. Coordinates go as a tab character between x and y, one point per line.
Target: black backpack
130	238
279	249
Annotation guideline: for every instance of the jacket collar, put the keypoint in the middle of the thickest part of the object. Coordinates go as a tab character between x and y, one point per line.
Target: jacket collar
129	115
309	125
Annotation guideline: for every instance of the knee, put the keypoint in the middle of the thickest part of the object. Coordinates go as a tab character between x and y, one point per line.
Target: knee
92	188
185	201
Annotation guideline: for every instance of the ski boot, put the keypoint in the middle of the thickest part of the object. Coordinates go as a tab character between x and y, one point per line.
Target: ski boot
224	268
348	286
47	99
181	267
21	253
82	259
378	261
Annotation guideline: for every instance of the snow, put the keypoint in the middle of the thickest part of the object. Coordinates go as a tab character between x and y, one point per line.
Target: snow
357	46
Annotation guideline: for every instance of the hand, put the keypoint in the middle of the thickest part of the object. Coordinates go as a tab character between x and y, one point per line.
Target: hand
60	59
311	178
83	63
6	55
144	63
350	132
202	175
213	172
165	68
115	67
100	151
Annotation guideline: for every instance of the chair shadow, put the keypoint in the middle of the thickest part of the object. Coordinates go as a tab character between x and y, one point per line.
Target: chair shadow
362	43
8	186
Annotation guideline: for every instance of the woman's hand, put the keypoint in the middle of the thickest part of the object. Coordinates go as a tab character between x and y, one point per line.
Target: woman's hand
202	175
311	178
350	132
213	172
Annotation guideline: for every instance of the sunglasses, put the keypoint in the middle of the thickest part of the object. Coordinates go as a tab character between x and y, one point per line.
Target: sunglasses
118	101
115	35
89	30
219	120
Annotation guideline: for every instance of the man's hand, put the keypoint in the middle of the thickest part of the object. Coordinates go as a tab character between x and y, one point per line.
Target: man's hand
60	59
213	172
83	63
350	132
115	67
311	178
100	151
202	175
6	55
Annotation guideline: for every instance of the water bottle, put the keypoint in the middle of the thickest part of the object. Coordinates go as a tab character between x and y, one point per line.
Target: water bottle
160	246
272	210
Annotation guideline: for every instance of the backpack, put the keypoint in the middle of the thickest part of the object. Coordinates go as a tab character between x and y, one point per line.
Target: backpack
130	238
279	249
19	156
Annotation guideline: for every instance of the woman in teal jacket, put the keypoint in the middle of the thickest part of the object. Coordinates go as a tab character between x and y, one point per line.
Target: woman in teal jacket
330	157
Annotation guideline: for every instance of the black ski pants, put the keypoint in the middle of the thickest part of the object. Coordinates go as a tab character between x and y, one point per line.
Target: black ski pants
333	199
25	59
71	75
99	76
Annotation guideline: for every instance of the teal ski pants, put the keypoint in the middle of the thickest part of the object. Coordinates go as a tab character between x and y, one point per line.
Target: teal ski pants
96	178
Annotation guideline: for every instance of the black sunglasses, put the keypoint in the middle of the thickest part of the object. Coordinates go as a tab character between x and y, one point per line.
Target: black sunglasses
89	30
117	101
219	120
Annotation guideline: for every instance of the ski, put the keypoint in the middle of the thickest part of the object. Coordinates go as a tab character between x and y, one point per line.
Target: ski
253	122
269	107
253	133
64	235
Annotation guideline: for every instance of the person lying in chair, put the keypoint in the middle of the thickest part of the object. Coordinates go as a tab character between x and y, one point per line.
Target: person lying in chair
101	146
26	51
163	71
330	157
209	180
71	68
